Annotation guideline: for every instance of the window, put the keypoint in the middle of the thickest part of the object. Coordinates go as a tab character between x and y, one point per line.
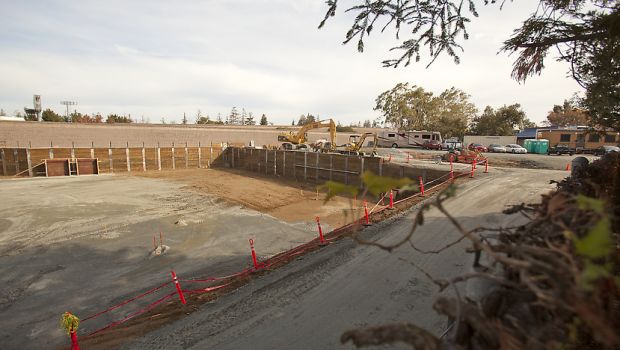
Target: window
594	138
564	137
610	138
581	138
391	135
428	137
416	136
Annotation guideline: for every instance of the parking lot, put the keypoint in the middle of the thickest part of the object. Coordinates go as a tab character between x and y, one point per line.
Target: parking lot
509	160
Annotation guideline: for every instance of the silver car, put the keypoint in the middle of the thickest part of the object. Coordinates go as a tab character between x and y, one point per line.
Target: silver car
512	148
494	147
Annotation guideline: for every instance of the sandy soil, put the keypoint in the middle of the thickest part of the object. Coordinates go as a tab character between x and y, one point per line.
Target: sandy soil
285	199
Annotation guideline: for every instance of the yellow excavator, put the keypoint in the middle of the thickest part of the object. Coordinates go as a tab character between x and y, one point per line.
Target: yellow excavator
356	142
292	141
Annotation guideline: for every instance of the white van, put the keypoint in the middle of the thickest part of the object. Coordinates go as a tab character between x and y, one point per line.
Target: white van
414	138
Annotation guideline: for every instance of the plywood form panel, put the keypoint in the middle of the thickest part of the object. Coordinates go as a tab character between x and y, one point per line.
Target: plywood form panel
120	160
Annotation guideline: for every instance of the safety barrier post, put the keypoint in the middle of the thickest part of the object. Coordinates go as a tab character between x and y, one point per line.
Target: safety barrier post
367	220
70	322
421	187
473	167
451	169
318	223
390	158
391	199
154	243
253	254
408	156
176	284
475	163
486	166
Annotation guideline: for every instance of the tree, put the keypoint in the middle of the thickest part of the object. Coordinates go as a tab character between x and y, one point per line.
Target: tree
413	108
367	123
115	118
219	119
567	114
2	112
250	119
163	120
503	121
293	122
585	33
405	107
184	120
263	119
302	120
50	116
233	117
452	113
243	116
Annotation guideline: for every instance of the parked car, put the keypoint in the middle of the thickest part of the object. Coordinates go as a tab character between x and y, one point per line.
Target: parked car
477	147
432	144
513	148
494	147
606	149
560	149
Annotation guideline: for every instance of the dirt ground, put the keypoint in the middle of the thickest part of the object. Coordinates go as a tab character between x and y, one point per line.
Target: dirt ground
285	199
81	244
309	303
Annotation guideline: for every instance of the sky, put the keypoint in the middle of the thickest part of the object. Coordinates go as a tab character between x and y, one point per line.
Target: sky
159	59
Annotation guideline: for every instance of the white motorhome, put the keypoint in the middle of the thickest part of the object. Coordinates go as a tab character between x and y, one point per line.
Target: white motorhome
414	138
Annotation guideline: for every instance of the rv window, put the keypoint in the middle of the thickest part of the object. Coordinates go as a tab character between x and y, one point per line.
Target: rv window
426	136
416	136
391	135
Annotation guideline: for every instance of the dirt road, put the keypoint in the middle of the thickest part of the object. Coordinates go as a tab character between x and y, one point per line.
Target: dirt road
309	303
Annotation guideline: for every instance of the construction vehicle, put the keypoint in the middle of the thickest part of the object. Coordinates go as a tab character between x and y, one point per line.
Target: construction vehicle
356	142
293	141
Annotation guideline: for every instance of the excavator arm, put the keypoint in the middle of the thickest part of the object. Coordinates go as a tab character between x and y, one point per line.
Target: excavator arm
301	135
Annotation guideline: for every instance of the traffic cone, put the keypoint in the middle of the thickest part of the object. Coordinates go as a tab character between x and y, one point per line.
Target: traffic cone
567	166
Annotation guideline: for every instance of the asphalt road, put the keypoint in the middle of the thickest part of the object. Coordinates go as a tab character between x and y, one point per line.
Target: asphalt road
309	303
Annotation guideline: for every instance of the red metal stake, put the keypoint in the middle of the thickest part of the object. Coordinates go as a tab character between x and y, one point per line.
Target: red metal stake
391	199
253	254
486	166
318	223
472	168
475	163
74	341
176	284
161	239
154	243
421	187
366	214
390	159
